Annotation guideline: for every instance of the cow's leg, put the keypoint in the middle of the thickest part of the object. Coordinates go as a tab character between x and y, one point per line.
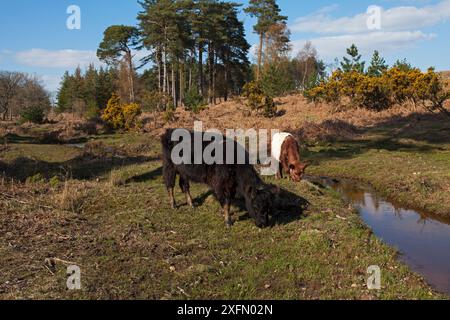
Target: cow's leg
225	195
227	214
185	187
226	208
170	176
173	203
280	171
285	169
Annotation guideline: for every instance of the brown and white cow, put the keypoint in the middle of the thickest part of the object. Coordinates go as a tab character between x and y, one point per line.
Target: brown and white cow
286	151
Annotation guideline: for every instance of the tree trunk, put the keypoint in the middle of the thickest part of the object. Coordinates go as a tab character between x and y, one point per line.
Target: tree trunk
200	70
166	76
4	110
258	69
226	77
211	72
174	90
158	58
181	84
190	77
165	71
191	64
305	74
225	95
130	75
214	77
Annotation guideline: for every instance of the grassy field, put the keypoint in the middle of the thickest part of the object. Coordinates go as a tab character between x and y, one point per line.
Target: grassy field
104	208
407	160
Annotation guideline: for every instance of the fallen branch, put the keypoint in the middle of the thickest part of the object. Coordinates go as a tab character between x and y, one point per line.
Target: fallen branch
54	261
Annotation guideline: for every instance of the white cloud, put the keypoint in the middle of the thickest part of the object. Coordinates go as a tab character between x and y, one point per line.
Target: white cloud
335	46
64	59
56	59
396	19
51	82
60	59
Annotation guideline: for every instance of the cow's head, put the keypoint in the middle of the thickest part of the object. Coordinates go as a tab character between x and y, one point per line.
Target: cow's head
297	170
262	204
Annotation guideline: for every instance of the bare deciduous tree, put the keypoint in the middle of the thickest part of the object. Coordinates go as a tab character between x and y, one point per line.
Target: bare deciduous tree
19	91
306	65
10	83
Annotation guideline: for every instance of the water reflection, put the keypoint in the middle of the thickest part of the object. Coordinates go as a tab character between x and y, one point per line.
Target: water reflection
423	240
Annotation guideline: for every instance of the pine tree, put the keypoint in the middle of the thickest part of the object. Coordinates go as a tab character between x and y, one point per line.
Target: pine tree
105	86
200	39
233	51
277	43
86	92
117	44
377	65
163	28
90	81
64	94
268	14
403	65
353	63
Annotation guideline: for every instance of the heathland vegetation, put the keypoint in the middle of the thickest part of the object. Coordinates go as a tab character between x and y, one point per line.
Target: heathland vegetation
81	178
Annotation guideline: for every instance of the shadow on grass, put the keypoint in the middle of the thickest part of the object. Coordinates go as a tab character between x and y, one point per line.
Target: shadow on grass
287	208
152	175
50	138
80	168
427	132
431	128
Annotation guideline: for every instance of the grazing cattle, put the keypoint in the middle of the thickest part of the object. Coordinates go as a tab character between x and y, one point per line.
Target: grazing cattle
286	151
225	180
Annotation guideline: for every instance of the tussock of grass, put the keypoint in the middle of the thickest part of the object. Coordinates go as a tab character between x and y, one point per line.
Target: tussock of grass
72	197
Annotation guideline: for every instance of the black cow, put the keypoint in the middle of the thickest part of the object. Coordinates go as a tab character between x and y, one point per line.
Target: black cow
225	180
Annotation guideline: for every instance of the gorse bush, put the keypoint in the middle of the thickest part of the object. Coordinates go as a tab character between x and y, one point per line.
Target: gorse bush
121	116
401	82
329	91
254	94
430	92
379	92
373	93
131	112
258	100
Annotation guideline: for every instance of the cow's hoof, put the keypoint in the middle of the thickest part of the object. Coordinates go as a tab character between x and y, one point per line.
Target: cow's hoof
229	224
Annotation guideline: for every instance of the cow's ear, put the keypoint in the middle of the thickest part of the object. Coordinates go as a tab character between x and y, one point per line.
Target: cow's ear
306	165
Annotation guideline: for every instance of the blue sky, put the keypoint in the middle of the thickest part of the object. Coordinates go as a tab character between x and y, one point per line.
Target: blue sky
35	39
